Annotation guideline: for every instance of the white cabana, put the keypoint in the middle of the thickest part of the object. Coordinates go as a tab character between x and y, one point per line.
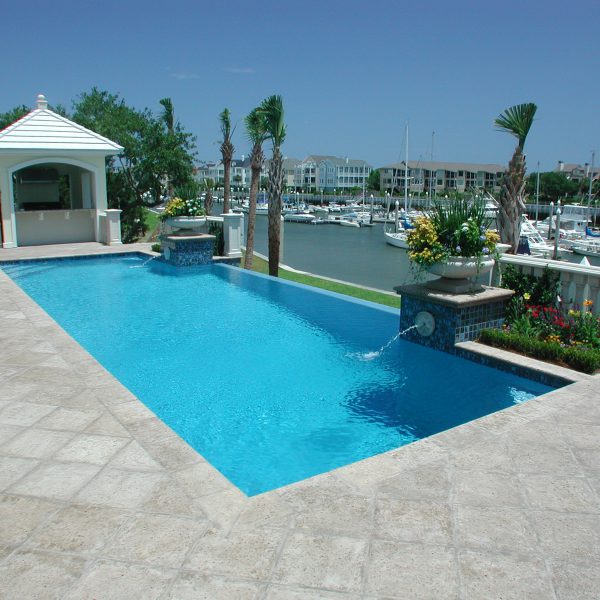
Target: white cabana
53	182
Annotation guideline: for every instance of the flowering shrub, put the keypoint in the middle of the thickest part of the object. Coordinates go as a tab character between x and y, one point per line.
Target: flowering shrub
460	228
573	327
177	207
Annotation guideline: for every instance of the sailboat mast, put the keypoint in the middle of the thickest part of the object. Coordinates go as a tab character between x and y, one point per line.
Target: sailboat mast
406	174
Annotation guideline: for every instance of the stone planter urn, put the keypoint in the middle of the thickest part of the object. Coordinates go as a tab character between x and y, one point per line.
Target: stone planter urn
185	225
456	272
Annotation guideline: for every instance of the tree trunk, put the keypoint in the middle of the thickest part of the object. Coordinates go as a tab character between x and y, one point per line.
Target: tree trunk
512	205
208	202
275	193
226	185
251	219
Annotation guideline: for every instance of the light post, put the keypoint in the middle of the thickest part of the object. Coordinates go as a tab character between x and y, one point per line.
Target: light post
537	195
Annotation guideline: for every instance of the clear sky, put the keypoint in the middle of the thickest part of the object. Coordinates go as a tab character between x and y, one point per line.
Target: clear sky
351	74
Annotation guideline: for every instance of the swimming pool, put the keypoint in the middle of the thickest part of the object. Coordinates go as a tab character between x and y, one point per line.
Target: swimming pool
265	378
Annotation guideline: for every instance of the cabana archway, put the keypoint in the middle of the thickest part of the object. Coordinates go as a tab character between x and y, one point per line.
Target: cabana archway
54	201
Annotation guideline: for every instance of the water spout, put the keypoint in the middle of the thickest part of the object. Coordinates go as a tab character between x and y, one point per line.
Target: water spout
366	356
144	263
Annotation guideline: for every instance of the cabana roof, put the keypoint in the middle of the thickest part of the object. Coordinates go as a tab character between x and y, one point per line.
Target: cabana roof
43	129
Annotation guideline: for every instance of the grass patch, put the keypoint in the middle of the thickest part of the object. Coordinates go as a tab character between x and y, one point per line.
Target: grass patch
261	266
152	223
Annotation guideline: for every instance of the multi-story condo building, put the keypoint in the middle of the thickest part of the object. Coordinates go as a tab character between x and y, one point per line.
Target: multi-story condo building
328	173
239	176
440	176
241	172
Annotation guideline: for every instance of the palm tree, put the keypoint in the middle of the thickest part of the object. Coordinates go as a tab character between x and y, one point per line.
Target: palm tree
517	121
255	129
168	118
227	151
271	110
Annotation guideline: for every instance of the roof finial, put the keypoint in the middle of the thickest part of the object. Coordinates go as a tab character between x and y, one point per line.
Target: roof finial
41	101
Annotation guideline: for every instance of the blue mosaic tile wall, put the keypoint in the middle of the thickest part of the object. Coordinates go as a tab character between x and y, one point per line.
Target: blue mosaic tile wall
452	324
548	379
186	252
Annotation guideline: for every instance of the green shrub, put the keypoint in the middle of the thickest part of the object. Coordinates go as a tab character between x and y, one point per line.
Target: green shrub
217	230
156	248
586	360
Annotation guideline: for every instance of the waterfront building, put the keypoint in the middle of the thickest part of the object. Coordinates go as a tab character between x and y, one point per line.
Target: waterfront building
239	176
329	173
577	172
241	172
440	176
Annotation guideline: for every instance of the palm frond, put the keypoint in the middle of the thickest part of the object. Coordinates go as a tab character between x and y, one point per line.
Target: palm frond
273	114
168	115
255	127
517	121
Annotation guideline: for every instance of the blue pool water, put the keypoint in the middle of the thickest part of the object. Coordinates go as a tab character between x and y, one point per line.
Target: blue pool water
266	379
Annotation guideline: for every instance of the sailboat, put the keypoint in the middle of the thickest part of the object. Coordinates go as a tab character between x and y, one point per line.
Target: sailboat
399	237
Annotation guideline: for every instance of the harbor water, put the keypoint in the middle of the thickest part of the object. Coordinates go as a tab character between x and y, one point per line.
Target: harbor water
356	255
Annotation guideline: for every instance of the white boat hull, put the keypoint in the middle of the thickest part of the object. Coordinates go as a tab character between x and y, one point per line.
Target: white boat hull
396	239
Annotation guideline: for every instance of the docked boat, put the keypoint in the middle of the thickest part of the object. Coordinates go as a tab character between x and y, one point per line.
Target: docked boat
360	217
346	222
299	217
400	239
587	247
532	242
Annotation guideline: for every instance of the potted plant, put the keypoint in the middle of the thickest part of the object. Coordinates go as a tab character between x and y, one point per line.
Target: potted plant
184	214
453	240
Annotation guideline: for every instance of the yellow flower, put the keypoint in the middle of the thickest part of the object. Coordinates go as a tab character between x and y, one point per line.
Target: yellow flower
587	303
526	296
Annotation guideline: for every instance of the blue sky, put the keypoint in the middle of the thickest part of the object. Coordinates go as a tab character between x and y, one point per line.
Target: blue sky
351	74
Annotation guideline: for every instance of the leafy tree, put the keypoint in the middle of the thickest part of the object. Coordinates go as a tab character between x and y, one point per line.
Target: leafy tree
373	181
227	150
271	110
257	135
553	186
12	115
152	154
517	121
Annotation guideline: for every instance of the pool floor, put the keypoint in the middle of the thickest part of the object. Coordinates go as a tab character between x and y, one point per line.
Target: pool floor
267	380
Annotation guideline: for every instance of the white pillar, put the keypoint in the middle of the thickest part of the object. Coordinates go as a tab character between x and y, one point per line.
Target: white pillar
113	227
232	234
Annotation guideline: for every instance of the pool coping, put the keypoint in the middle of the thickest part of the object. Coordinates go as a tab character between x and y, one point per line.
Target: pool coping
352	514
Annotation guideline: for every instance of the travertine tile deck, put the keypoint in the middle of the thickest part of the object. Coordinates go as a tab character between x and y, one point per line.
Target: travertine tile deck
100	500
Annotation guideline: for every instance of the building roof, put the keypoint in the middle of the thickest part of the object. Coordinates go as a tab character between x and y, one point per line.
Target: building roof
567	168
447	166
337	161
43	129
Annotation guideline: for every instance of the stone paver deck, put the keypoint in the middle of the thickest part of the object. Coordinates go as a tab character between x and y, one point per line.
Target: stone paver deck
100	500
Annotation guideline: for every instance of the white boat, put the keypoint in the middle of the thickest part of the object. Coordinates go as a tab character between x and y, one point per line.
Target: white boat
346	223
262	209
299	217
536	244
361	217
587	247
400	239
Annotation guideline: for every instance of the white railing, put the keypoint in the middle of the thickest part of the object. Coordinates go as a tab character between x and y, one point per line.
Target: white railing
577	282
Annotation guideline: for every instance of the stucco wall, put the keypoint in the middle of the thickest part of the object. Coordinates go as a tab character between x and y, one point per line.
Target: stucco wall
55	226
59	228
